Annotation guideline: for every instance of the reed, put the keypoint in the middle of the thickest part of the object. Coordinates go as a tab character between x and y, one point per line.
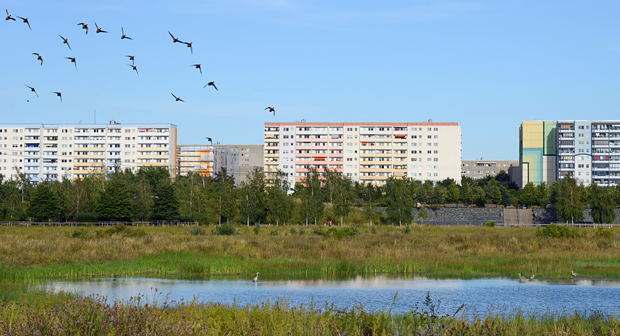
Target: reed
31	253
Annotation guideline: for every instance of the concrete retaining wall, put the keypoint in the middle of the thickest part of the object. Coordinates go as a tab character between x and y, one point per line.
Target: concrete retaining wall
546	216
460	216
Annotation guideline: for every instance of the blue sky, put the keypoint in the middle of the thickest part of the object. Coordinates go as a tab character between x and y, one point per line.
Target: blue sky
487	65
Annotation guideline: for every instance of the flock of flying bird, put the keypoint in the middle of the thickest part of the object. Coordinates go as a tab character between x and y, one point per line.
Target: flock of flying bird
131	58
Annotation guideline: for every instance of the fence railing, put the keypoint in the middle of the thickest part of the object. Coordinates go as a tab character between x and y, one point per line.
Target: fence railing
101	223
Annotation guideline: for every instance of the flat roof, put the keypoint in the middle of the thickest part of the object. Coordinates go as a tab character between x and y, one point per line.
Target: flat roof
87	125
401	124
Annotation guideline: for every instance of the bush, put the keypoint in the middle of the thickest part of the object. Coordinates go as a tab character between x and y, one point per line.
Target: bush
274	232
490	224
559	231
82	233
373	230
603	233
407	229
302	232
198	231
293	231
226	229
256	229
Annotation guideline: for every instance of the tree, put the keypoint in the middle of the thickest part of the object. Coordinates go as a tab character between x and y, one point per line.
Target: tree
467	195
453	194
507	195
279	203
493	193
400	203
114	203
341	197
44	204
541	194
253	197
437	196
423	214
603	204
481	197
311	196
165	205
528	194
569	204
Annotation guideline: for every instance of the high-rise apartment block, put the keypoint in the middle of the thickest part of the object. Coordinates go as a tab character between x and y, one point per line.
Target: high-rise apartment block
587	150
52	151
207	160
365	152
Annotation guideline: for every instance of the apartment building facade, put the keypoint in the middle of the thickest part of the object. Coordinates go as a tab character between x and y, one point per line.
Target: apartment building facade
478	169
365	152
207	160
48	152
251	157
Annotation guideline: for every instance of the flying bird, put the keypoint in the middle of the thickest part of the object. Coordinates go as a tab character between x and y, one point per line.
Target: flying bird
32	90
25	21
99	30
271	109
189	45
8	17
134	68
177	98
131	58
211	84
174	39
123	36
197	67
72	61
84	26
65	41
59	95
39	58
211	141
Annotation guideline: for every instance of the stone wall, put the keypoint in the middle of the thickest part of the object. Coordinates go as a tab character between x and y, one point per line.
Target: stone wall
546	216
460	216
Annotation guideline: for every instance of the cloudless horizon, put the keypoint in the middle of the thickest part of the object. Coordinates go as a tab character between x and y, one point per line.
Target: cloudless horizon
487	65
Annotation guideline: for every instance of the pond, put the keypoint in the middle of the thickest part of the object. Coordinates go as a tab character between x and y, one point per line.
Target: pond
375	293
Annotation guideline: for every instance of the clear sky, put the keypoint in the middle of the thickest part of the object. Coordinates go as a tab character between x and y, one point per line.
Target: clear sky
487	65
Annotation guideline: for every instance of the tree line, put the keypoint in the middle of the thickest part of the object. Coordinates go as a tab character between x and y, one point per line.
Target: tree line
151	194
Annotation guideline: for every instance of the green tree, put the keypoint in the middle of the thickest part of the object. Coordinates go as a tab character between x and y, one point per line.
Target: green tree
603	204
253	197
481	197
527	195
569	204
423	214
114	203
453	194
493	193
341	197
400	203
467	195
507	195
44	204
279	202
312	206
437	196
165	205
541	194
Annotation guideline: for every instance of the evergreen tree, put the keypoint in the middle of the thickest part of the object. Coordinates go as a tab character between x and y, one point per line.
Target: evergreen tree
114	203
44	204
506	195
603	204
569	204
165	205
493	193
527	195
481	197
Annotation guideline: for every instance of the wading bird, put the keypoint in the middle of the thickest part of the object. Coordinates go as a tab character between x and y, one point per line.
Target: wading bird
271	109
521	277
574	274
189	45
197	66
25	21
211	84
8	17
59	95
210	141
99	30
39	58
256	277
84	26
131	58
134	68
72	61
123	36
174	39
531	278
65	41
177	98
32	90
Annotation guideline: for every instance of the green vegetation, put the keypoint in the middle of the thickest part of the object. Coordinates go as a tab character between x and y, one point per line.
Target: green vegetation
559	231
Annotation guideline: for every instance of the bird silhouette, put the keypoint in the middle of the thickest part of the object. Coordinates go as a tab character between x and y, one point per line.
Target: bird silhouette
189	45
39	58
65	41
177	98
134	68
210	141
123	36
8	17
32	90
72	61
59	95
197	67
84	26
99	30
174	39
271	109
25	21
211	84
131	58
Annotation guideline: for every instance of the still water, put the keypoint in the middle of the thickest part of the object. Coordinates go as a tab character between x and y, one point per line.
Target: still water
375	293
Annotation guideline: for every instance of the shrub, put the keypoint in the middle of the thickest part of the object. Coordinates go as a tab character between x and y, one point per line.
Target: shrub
302	232
373	230
198	231
490	224
274	232
407	229
81	233
256	229
226	229
603	233
559	231
293	231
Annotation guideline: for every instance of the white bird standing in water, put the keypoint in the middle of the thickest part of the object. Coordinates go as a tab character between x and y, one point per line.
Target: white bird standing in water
531	278
521	277
256	277
574	274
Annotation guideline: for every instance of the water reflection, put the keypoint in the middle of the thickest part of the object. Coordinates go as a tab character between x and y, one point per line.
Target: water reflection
375	293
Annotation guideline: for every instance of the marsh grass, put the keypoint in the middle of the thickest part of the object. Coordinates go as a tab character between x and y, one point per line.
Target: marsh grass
31	253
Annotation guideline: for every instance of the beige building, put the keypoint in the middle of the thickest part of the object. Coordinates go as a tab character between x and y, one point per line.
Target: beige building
250	158
365	152
52	151
482	168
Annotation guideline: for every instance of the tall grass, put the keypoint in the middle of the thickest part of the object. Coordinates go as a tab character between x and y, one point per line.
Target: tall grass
28	254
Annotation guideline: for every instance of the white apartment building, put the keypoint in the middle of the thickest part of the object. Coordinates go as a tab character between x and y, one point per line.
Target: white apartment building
365	152
55	151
